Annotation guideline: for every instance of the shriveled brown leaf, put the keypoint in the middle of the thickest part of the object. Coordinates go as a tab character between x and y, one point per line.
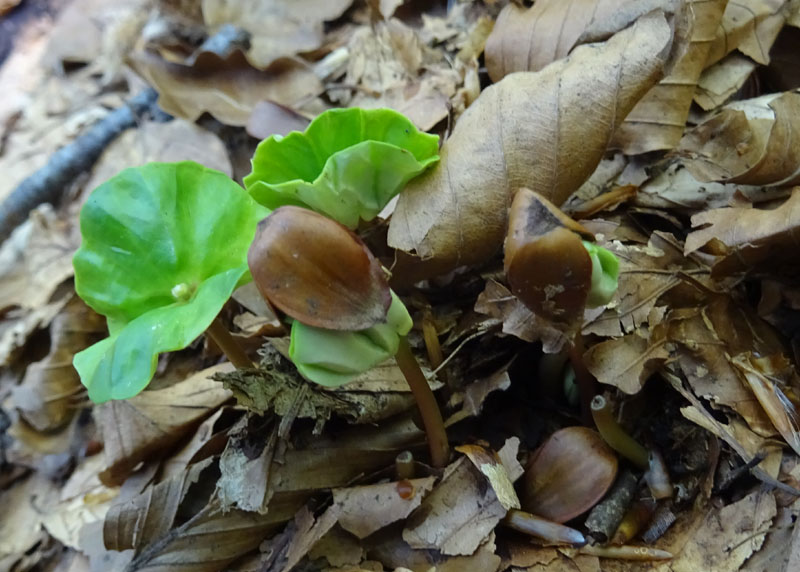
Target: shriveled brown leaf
749	142
396	554
175	140
528	39
763	375
498	302
720	539
721	81
206	441
136	522
457	515
18	535
366	509
749	240
227	88
277	28
500	474
657	121
524	132
155	420
36	259
750	27
626	362
50	391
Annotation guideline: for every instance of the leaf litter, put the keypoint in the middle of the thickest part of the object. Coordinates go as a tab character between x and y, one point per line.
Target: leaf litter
690	167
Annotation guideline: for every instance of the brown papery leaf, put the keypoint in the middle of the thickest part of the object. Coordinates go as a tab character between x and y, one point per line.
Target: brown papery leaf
528	39
626	362
134	429
749	142
721	81
546	131
657	121
763	376
750	27
277	28
749	240
49	393
227	88
136	522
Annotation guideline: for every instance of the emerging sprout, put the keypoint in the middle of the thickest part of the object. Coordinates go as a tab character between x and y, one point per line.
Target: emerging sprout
316	270
347	164
164	246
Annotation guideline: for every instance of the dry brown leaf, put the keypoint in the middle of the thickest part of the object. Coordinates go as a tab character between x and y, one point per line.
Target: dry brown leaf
50	391
277	28
457	515
136	522
36	259
397	555
21	520
269	118
499	303
749	142
720	539
205	441
751	27
18	325
749	240
210	540
764	376
366	509
82	504
153	421
175	140
499	477
722	80
227	88
626	362
536	130
657	121
528	39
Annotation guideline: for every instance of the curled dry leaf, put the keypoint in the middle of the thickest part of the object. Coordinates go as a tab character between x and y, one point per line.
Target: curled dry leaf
749	27
721	81
749	240
277	28
749	142
626	362
227	88
317	271
155	420
658	120
568	474
537	130
528	39
49	392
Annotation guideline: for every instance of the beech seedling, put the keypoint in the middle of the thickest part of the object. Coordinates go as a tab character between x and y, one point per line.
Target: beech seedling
347	164
163	247
346	320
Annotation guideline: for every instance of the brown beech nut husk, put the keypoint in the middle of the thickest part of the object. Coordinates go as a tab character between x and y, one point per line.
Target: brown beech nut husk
568	474
317	271
546	264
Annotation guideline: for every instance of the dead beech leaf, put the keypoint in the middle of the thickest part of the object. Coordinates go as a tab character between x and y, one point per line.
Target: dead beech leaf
721	81
134	429
138	521
269	118
227	88
763	375
277	28
457	515
749	240
394	553
658	119
528	39
523	132
748	26
36	259
210	540
366	509
626	362
749	142
498	302
500	478
49	392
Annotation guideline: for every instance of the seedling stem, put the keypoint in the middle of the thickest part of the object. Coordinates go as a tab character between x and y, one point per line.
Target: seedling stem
229	346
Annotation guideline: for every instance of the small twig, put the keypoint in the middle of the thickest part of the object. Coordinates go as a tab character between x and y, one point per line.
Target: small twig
48	183
606	516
